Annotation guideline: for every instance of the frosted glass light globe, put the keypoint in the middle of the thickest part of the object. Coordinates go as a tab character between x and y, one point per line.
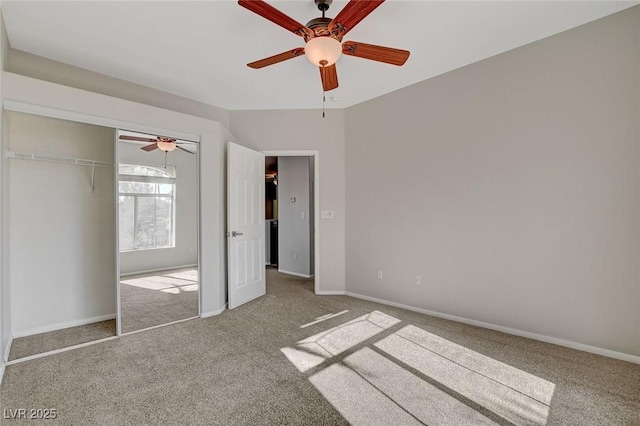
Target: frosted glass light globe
166	146
320	49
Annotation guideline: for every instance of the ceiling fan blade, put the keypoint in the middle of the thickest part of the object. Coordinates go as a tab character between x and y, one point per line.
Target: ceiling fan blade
329	76
388	55
289	54
137	138
150	147
274	15
354	12
185	150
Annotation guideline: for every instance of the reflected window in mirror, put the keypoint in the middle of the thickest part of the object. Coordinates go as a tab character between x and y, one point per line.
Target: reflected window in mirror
146	198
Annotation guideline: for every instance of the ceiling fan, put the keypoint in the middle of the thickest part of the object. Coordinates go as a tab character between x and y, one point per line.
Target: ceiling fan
323	38
160	142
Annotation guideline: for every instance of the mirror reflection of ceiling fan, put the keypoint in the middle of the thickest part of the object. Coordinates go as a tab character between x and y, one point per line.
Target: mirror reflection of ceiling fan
159	142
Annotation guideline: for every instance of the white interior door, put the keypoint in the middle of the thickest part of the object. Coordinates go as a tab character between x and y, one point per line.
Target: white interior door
245	225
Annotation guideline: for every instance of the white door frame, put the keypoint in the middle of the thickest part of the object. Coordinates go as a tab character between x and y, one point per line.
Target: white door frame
316	204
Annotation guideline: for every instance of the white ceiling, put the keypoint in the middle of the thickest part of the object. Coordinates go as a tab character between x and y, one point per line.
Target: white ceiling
200	49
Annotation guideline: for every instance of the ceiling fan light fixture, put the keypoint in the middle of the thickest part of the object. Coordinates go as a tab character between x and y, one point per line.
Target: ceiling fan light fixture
166	146
323	51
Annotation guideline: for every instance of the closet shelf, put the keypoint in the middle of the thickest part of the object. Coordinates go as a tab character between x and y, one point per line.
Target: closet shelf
63	160
55	159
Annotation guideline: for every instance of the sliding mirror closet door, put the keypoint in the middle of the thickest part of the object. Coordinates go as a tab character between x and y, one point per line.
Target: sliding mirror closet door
62	233
158	230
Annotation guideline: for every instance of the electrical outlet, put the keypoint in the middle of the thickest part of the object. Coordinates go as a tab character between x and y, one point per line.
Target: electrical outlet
418	280
379	274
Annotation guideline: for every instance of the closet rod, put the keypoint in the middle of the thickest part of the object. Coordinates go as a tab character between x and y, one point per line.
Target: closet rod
54	159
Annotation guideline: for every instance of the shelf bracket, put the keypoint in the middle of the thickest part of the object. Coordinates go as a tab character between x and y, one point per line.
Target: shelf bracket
93	176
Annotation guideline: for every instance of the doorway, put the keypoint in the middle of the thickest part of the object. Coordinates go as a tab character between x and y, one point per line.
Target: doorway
292	213
271	211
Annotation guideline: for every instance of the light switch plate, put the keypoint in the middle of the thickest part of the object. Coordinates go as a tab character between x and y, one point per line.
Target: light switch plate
326	214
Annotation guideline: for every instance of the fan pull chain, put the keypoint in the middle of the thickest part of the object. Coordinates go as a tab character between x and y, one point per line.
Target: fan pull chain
323	64
165	160
323	99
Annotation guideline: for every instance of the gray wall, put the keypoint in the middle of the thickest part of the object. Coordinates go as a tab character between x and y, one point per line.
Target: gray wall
185	251
5	305
294	218
312	219
511	187
34	66
307	130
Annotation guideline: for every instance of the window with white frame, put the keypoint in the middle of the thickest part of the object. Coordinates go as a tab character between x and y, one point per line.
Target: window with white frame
146	196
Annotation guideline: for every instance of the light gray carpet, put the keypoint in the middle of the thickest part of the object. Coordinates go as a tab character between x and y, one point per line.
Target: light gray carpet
158	298
263	363
45	342
147	300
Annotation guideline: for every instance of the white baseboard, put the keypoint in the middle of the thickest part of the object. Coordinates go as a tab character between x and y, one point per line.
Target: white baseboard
5	357
295	274
541	337
57	351
213	313
157	326
60	326
331	293
149	271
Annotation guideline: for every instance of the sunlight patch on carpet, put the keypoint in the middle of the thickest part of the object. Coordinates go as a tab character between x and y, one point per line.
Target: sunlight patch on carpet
423	400
514	395
338	339
357	400
411	376
323	318
163	283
